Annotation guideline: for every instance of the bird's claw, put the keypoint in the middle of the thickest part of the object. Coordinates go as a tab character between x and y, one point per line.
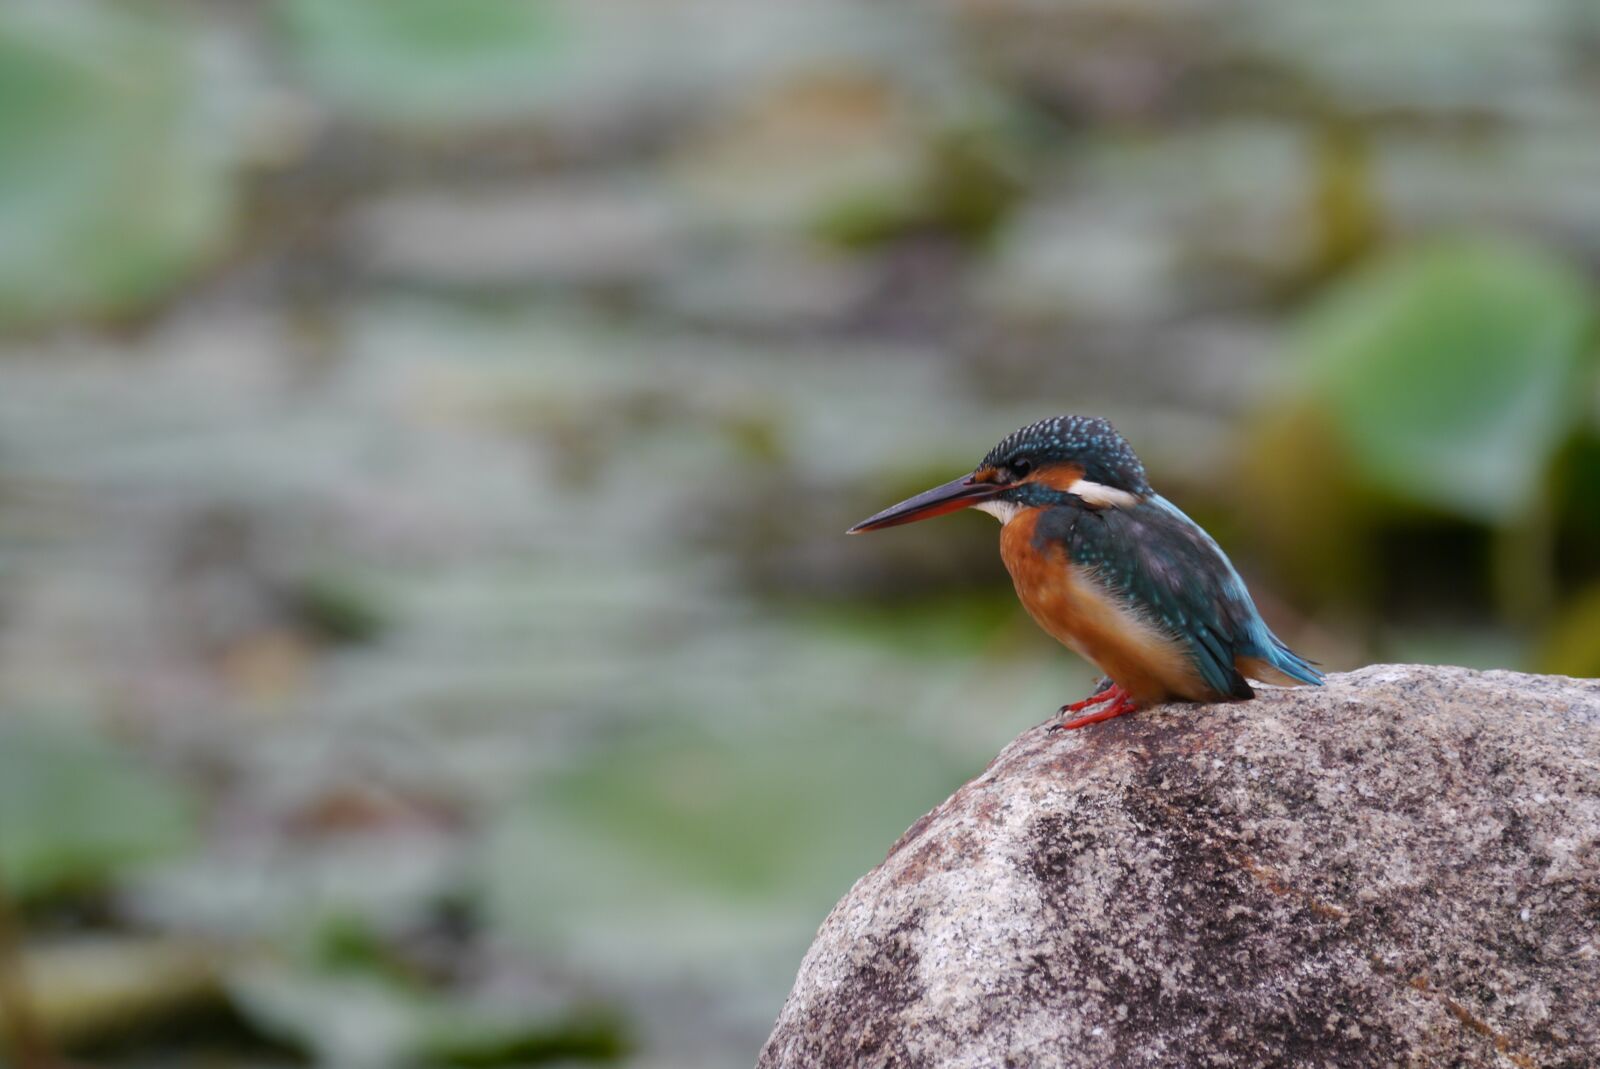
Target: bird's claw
1104	691
1120	703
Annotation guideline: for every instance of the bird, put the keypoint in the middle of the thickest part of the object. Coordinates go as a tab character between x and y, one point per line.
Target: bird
1114	571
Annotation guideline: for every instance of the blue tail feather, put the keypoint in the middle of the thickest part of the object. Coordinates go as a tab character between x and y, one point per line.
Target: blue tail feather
1289	662
1259	641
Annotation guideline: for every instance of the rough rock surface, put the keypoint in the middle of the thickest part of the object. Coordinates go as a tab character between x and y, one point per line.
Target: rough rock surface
1399	869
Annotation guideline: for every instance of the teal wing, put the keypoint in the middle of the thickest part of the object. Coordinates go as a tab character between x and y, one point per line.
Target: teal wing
1164	566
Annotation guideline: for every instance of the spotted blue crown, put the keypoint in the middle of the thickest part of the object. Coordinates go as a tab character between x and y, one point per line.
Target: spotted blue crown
1088	441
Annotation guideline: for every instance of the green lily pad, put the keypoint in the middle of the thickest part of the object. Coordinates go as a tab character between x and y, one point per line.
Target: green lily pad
1449	372
429	62
683	847
358	1018
112	188
74	809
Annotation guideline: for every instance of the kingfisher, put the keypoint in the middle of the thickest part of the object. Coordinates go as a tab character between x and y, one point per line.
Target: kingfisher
1114	571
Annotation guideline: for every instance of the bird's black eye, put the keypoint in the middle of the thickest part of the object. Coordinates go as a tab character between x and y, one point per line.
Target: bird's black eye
1020	466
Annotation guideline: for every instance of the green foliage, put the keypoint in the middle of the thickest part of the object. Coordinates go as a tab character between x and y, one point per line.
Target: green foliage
1448	372
339	608
96	989
966	184
109	193
428	62
946	625
1572	646
347	995
683	843
1345	211
507	1039
355	1018
74	809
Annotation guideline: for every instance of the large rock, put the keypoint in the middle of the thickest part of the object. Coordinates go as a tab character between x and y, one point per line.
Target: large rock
1399	869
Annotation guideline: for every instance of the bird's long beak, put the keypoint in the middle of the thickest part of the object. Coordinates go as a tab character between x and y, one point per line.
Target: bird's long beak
953	495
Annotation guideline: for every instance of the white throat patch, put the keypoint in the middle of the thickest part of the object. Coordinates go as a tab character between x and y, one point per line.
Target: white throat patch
1004	511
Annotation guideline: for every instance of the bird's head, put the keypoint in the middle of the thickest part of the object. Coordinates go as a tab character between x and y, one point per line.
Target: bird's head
1078	456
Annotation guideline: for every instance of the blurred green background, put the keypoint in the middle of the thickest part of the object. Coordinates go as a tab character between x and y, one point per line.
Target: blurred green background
427	429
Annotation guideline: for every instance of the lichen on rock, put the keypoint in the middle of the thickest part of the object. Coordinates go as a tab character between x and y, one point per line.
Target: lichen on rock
1400	868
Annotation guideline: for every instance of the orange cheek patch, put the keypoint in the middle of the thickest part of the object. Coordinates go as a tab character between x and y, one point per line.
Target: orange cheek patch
1057	476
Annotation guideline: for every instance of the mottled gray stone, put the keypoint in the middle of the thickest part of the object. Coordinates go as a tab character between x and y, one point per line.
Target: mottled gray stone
1399	869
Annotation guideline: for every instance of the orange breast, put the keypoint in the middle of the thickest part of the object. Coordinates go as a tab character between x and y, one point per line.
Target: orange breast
1074	609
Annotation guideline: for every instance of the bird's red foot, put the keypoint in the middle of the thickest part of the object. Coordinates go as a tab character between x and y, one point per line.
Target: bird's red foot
1120	703
1105	692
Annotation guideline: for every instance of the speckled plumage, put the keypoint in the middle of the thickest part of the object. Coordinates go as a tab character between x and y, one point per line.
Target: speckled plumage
1091	442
